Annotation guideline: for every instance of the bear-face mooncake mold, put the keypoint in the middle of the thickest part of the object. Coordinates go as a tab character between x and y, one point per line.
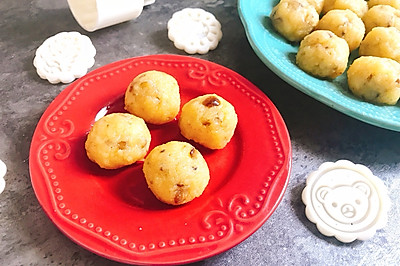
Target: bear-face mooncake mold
346	200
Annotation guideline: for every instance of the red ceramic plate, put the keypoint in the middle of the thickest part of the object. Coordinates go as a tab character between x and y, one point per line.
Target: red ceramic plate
114	214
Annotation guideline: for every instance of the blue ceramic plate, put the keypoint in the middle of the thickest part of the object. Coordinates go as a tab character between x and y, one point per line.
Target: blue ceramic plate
279	55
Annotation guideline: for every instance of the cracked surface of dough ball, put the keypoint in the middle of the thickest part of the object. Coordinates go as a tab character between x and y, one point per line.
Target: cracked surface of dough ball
375	79
323	54
176	172
294	19
154	96
209	120
345	24
117	140
393	3
359	7
381	16
382	42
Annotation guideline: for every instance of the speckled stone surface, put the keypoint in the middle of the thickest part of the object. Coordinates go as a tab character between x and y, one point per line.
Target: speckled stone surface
318	134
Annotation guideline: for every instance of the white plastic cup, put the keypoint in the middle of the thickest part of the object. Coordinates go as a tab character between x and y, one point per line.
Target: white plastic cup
97	14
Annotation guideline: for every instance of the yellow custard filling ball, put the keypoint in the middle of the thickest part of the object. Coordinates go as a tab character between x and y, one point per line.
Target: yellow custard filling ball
117	140
381	16
345	24
323	54
294	19
209	120
176	172
360	7
375	79
153	96
382	42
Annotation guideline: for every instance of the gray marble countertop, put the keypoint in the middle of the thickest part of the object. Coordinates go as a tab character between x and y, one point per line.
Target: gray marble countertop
318	134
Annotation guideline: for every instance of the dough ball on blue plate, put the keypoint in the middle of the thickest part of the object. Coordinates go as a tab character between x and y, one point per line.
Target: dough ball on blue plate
375	79
323	54
294	19
345	24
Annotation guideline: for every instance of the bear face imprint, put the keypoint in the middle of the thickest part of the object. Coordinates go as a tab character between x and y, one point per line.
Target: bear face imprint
347	204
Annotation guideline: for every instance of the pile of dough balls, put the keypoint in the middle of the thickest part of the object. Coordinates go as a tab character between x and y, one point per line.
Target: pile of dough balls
370	28
175	172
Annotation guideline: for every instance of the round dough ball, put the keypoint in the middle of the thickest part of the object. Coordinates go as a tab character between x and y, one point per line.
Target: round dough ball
345	24
381	16
117	140
209	120
176	172
359	7
323	54
382	42
393	3
294	19
153	96
375	79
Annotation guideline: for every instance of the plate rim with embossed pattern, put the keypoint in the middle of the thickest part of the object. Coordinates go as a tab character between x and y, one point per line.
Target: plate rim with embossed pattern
76	200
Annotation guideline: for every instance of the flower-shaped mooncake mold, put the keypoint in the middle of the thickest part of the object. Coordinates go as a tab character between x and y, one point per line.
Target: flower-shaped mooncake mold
346	200
194	30
64	57
3	170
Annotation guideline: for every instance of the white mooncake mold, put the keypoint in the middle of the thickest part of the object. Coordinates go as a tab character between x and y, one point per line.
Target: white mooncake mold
346	200
3	171
64	57
194	30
